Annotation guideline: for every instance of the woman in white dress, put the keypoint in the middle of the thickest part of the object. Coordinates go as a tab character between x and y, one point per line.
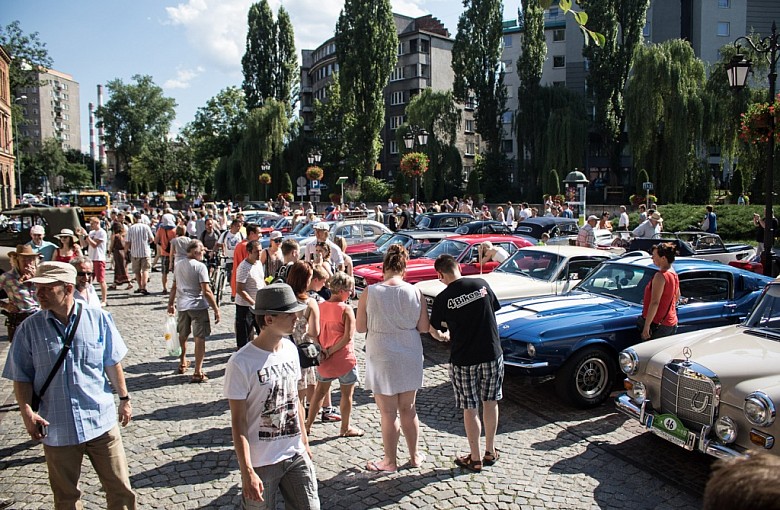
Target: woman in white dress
393	314
307	326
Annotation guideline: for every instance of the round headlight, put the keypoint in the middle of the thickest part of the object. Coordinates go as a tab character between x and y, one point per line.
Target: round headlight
759	409
531	350
726	429
639	392
629	361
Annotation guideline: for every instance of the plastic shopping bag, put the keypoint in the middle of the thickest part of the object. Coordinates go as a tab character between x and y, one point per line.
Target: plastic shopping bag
171	337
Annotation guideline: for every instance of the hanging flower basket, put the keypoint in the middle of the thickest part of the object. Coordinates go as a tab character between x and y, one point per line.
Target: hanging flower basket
756	122
286	196
264	178
641	199
314	173
414	164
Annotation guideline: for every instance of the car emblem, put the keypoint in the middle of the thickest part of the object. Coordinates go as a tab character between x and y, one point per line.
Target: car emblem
687	353
699	401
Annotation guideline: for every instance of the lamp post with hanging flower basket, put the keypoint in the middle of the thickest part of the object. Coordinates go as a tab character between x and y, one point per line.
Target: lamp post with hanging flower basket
415	164
314	173
265	177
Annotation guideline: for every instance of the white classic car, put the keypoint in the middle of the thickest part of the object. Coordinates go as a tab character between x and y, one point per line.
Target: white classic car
700	245
532	271
713	390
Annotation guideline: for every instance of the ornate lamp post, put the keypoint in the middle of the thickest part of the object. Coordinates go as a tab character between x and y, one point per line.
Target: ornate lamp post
737	70
265	167
412	139
314	158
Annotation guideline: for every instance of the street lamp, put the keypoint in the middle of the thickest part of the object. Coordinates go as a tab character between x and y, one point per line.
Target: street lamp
18	158
265	167
314	157
414	137
737	71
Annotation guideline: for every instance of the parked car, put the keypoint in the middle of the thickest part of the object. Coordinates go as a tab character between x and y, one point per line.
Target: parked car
369	246
448	221
554	226
255	206
484	227
533	271
463	248
416	242
354	231
713	390
701	245
575	338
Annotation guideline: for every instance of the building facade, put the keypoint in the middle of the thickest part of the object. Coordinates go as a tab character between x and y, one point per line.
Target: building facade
51	110
424	61
7	138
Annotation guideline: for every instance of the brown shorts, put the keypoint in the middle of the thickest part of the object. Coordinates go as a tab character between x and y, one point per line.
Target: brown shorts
141	264
195	322
99	270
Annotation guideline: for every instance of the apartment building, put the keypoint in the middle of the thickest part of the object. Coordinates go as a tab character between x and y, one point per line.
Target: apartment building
424	60
51	110
7	139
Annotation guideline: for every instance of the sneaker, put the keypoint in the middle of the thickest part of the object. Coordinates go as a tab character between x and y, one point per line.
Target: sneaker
330	414
144	292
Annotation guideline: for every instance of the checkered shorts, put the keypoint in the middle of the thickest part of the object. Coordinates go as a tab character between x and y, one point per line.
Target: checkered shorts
477	383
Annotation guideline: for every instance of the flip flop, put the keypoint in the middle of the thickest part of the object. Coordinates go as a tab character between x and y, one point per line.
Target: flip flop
352	433
374	466
421	457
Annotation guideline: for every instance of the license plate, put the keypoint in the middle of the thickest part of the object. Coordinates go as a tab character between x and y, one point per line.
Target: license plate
669	427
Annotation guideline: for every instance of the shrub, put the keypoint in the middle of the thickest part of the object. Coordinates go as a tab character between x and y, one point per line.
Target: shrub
375	190
553	183
735	222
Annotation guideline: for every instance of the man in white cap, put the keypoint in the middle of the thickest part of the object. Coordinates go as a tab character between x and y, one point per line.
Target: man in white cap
321	231
39	244
650	228
586	237
77	414
266	416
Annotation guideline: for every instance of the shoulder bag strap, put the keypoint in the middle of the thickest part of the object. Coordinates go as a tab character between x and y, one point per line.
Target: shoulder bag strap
63	352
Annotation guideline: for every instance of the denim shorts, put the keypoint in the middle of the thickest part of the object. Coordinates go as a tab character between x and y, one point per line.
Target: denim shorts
350	377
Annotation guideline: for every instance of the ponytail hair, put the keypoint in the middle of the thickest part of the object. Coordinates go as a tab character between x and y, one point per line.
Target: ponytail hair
395	259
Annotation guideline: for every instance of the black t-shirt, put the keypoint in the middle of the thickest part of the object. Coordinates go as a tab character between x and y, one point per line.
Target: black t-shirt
468	307
760	230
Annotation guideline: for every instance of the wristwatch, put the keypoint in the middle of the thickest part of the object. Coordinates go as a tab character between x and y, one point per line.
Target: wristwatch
126	397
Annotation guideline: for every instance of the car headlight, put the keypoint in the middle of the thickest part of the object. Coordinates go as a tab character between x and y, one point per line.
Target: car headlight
531	350
726	429
759	409
638	391
629	361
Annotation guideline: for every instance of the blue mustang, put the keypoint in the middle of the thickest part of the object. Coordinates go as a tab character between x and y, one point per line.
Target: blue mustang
575	338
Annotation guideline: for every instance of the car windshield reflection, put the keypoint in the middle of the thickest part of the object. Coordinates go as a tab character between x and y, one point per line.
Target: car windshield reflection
766	314
446	247
534	264
619	281
396	239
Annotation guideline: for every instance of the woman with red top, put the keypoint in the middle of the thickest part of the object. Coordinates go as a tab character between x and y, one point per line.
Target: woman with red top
69	249
337	329
661	296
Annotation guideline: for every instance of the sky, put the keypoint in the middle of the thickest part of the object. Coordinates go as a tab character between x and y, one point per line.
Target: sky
191	48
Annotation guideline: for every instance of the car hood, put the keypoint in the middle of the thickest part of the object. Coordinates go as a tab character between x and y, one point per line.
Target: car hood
505	286
416	270
565	316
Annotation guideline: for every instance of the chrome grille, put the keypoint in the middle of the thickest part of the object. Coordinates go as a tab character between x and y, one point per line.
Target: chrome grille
691	392
360	282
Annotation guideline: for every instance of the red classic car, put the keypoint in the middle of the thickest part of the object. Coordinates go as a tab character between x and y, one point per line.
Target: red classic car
463	248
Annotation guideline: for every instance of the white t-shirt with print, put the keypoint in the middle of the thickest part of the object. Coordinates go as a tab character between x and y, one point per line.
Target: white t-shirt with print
229	241
252	276
268	381
98	252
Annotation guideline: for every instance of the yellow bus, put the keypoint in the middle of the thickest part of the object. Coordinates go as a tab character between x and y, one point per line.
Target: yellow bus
93	202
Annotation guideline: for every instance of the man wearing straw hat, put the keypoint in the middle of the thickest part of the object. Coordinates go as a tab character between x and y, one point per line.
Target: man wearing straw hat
21	302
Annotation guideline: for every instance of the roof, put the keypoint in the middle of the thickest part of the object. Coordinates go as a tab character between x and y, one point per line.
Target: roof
570	251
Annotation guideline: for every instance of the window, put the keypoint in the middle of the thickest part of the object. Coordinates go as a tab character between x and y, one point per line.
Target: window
724	28
466	172
510	92
724	4
506	146
423	72
400	48
559	84
559	35
397	98
646	30
470	149
393	147
471	103
553	12
559	61
425	46
508	41
413	46
506	118
469	126
397	74
396	121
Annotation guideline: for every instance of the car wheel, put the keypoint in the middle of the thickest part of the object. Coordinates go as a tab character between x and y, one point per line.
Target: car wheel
586	379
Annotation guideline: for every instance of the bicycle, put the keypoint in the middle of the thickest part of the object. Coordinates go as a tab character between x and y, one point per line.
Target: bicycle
218	277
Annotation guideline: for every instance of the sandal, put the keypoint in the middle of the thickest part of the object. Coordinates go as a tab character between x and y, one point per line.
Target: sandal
352	432
374	466
491	458
183	367
199	377
112	287
468	464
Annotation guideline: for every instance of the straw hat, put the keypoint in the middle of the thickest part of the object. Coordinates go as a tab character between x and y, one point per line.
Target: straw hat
23	250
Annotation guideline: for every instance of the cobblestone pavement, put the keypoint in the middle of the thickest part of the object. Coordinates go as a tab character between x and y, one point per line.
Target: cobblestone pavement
180	455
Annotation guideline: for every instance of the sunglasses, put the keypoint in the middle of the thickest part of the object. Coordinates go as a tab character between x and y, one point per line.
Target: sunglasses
278	240
321	244
84	273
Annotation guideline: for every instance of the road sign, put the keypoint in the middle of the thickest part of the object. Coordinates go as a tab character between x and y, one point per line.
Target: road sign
301	191
647	186
314	191
301	181
315	184
314	198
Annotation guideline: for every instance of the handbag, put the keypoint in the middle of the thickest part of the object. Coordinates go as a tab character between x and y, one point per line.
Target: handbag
309	354
36	397
640	325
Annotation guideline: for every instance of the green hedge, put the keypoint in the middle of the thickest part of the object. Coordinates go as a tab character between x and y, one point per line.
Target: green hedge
735	222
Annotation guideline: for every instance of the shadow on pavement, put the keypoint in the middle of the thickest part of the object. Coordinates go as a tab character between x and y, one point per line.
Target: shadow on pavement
192	410
204	438
7	455
205	467
581	431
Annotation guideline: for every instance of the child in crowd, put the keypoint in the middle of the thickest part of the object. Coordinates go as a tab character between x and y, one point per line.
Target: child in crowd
337	331
319	278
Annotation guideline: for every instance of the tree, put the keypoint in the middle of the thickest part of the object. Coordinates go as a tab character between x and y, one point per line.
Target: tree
472	187
260	57
665	113
332	124
621	22
29	56
287	78
166	164
134	115
50	163
366	49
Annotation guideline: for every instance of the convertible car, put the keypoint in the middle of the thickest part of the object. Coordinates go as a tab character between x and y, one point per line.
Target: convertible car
713	390
533	271
700	245
575	338
416	242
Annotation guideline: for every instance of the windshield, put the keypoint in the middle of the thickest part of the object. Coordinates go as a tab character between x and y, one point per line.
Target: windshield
766	314
307	230
395	239
541	265
268	221
620	281
92	200
447	247
423	221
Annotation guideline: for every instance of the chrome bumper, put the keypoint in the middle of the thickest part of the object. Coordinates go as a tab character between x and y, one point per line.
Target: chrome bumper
541	364
627	406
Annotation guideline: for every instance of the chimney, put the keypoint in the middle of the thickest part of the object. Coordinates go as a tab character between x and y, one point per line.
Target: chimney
101	133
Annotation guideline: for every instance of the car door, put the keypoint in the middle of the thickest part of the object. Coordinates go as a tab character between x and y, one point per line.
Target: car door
707	299
577	269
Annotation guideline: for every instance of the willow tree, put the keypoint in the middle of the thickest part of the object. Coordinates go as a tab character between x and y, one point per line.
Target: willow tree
437	112
367	52
621	23
665	112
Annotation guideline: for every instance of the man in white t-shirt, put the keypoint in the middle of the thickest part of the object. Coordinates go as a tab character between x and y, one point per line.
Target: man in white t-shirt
96	240
266	417
227	243
623	220
249	277
510	214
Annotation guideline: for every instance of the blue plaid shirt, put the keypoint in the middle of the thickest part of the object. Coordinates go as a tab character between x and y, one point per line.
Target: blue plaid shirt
78	404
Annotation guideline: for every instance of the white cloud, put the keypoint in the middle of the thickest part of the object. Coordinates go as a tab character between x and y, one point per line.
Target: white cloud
183	78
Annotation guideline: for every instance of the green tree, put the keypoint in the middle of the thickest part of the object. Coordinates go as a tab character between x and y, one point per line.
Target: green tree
553	183
737	184
472	187
333	122
366	49
665	113
85	161
621	23
437	113
28	56
134	115
287	75
260	57
50	163
286	186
